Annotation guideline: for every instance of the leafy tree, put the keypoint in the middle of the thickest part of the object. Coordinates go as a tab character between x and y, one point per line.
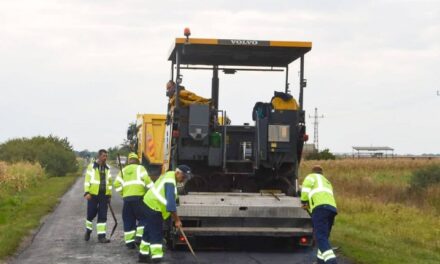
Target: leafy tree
322	155
132	137
122	149
86	154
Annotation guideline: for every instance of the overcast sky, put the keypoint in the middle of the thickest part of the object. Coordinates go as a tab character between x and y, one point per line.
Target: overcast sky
83	69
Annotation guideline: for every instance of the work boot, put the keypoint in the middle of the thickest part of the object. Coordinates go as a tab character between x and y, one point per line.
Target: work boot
130	245
137	240
103	240
144	258
87	235
156	260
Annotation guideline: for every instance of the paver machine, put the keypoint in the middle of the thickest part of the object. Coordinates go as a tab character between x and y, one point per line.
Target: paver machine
245	180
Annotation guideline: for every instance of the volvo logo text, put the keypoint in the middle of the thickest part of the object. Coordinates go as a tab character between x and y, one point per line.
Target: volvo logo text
244	42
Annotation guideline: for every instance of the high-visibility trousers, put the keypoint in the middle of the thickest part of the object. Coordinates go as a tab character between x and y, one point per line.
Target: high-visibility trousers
132	213
98	205
151	243
323	219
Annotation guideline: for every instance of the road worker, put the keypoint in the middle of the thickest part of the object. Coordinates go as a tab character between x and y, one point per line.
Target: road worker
132	184
160	203
171	88
98	191
317	198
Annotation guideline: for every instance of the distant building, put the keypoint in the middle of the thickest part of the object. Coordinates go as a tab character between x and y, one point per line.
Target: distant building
308	149
373	152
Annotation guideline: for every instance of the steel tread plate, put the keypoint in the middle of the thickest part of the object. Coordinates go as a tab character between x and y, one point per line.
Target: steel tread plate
240	205
248	231
237	211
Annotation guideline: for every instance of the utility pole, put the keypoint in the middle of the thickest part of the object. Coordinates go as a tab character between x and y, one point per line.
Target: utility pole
316	118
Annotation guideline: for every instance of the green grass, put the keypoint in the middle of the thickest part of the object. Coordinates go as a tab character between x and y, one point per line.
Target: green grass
21	212
381	220
369	232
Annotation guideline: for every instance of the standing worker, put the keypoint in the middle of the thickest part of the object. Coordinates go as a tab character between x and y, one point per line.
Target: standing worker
132	185
98	191
160	203
317	198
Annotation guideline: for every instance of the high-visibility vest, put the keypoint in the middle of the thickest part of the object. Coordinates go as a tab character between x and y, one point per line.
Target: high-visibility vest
317	190
133	181
155	196
93	179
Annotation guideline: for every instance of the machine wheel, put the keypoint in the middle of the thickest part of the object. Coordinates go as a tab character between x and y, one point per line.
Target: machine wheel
245	184
284	185
288	171
219	182
290	188
288	174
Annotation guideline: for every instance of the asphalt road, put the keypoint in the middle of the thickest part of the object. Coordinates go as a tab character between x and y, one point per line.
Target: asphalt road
60	240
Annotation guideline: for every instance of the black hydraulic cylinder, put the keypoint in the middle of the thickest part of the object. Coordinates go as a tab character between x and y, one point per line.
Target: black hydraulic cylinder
172	71
301	83
215	87
177	87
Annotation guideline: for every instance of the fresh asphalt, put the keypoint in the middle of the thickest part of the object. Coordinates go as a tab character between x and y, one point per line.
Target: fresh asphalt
60	240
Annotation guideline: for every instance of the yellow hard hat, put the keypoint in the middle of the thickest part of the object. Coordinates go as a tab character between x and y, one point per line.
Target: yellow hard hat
133	155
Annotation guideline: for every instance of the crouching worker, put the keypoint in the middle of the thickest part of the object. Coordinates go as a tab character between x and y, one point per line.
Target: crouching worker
98	191
160	203
132	185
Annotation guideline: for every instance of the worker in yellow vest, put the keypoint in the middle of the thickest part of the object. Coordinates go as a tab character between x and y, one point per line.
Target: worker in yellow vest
317	197
132	184
97	192
160	203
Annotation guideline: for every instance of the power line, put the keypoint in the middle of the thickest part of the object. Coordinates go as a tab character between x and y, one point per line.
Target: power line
316	118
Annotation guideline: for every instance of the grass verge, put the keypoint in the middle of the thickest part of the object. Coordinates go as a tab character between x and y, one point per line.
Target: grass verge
371	232
20	212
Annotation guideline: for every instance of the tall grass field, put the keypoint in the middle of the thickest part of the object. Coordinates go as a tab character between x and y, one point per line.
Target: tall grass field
19	176
383	217
26	195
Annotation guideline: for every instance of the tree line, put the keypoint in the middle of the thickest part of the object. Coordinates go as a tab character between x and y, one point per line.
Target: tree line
53	153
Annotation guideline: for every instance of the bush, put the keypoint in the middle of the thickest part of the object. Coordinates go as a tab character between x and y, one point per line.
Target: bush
323	155
426	177
54	154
